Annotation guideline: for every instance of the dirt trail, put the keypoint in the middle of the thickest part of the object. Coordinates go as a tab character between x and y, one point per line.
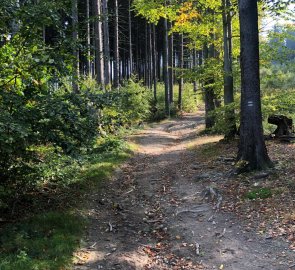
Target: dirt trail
152	214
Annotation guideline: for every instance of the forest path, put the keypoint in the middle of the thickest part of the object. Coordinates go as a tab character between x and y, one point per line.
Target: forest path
152	215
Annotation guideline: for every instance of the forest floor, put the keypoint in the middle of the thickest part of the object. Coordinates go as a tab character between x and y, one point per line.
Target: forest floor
154	213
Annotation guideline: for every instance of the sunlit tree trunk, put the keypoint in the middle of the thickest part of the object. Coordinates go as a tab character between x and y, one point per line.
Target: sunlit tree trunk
228	76
99	58
106	41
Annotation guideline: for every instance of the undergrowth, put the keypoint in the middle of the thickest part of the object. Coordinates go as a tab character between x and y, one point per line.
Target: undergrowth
49	231
190	101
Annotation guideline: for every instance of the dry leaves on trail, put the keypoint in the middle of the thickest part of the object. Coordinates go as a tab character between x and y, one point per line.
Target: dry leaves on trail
271	213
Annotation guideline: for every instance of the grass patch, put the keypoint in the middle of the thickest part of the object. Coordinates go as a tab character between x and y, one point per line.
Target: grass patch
46	241
48	230
207	147
259	193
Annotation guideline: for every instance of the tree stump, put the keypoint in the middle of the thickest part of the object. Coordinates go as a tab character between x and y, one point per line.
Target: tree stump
283	123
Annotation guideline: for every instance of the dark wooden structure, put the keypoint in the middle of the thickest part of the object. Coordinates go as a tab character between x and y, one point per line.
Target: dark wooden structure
283	123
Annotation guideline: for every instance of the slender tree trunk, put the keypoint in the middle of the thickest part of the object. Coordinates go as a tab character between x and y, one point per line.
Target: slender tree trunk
99	58
165	69
150	55
209	91
130	39
88	40
180	80
146	64
252	150
75	45
194	66
106	42
116	47
228	77
170	63
154	53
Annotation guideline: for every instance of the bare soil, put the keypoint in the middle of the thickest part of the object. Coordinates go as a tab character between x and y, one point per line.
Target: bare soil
153	214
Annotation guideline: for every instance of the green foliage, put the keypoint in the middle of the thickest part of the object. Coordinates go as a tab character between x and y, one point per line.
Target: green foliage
110	143
279	48
47	241
259	193
278	77
39	114
190	101
44	242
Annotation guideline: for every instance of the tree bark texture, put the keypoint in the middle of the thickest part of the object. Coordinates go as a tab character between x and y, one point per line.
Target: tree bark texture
227	68
252	150
99	58
106	42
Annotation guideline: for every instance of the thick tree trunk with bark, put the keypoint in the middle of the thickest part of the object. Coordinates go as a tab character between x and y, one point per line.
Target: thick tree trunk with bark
252	150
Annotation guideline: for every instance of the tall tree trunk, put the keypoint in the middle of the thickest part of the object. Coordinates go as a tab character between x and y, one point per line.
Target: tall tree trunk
180	80
252	150
209	91
154	56
75	45
99	58
150	55
228	77
116	47
146	52
195	66
170	63
88	40
165	69
130	38
106	42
